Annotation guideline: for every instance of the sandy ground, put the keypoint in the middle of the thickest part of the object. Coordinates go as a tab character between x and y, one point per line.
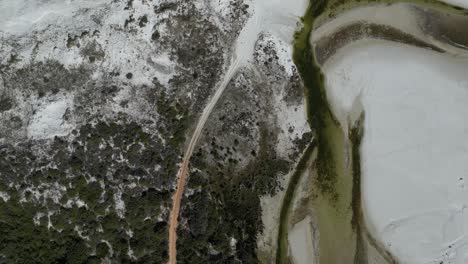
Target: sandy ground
303	235
20	16
301	243
460	3
401	16
397	15
414	148
413	181
267	240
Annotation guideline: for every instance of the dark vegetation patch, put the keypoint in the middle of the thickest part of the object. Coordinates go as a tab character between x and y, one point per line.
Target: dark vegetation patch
103	161
93	51
301	144
143	21
196	44
238	12
129	5
164	7
110	157
24	242
266	55
294	89
45	78
155	36
176	119
13	59
128	21
6	103
226	207
74	40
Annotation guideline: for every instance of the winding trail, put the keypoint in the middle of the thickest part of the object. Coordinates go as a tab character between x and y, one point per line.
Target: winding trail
274	16
244	49
271	15
182	174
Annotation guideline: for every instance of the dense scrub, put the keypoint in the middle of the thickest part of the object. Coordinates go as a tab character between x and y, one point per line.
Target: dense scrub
98	195
102	191
224	214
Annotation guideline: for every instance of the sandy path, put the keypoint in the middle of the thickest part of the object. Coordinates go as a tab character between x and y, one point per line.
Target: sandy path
277	17
243	51
182	174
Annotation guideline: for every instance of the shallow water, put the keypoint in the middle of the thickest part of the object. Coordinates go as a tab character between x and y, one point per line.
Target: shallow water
344	237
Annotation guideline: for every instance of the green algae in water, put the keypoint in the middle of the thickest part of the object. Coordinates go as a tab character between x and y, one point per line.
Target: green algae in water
281	252
332	182
317	112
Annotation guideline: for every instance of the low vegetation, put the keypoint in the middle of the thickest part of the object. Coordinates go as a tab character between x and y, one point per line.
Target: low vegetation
223	215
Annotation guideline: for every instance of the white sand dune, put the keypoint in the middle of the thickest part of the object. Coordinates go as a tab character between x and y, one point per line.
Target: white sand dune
460	3
301	244
415	146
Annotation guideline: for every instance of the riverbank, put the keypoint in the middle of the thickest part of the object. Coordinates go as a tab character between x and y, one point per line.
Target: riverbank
412	151
344	236
428	25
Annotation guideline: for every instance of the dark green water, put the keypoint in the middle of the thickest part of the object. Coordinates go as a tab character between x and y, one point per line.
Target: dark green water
317	112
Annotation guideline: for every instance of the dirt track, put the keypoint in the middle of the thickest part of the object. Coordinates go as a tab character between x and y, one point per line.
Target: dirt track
183	173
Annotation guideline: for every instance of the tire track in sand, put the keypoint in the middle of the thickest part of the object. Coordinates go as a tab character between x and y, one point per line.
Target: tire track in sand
182	174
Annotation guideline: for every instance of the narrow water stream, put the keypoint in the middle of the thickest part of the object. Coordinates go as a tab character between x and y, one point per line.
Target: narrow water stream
336	169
